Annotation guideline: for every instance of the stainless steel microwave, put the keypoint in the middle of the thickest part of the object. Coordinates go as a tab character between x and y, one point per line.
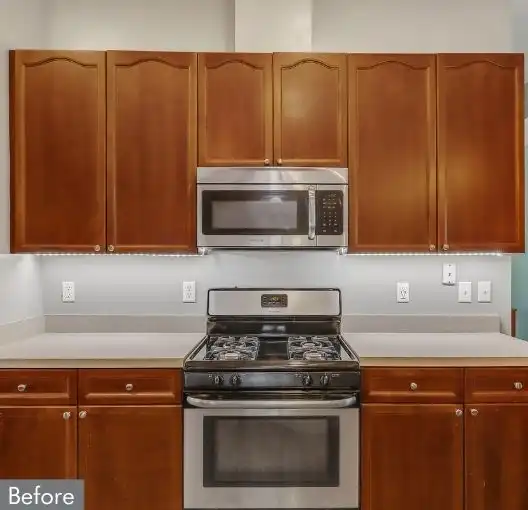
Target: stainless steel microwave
272	207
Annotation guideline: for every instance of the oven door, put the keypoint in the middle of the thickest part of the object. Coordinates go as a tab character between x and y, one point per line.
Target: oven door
267	215
271	454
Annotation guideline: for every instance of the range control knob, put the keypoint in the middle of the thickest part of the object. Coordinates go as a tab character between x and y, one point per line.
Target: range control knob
218	380
325	380
306	380
235	380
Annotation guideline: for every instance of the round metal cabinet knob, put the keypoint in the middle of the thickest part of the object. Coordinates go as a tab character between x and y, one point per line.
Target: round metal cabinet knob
518	385
266	161
459	412
413	386
83	414
66	415
474	412
432	247
111	248
129	387
445	247
22	387
97	247
279	161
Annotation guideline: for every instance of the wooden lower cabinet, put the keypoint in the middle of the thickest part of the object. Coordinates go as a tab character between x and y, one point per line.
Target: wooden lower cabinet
412	457
130	457
38	442
496	456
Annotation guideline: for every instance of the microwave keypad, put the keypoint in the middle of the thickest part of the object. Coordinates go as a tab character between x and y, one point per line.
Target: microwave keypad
329	212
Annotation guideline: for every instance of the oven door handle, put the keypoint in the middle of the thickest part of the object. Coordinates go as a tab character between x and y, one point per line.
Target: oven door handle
311	212
272	404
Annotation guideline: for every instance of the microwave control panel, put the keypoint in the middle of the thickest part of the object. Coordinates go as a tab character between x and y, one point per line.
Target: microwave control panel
329	212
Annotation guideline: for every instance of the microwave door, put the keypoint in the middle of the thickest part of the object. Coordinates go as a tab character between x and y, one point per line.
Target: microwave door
253	216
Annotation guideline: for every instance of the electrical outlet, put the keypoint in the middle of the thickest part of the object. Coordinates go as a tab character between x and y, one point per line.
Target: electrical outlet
402	289
464	292
484	292
189	292
449	274
68	292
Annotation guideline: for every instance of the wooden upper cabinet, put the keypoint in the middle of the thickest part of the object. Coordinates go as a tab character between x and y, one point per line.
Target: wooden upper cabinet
58	156
412	457
310	109
392	152
480	152
235	112
151	151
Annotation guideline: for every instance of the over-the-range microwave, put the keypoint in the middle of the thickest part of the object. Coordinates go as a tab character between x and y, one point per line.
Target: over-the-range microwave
272	207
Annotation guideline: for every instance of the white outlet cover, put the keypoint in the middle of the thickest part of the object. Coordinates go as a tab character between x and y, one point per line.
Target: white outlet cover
449	274
402	292
484	292
189	292
464	292
68	292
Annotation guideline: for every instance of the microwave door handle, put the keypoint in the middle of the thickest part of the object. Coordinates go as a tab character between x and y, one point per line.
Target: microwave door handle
311	212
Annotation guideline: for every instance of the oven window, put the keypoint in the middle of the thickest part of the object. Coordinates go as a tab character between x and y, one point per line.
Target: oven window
271	452
254	212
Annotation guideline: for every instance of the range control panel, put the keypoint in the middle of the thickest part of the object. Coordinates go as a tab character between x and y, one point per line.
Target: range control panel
329	211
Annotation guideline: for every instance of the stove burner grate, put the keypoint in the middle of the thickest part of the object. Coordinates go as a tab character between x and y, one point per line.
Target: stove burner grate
314	348
230	348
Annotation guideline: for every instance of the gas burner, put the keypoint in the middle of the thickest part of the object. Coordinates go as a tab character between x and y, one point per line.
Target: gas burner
231	348
318	348
231	355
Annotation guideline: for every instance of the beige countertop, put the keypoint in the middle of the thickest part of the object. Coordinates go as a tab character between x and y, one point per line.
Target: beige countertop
128	350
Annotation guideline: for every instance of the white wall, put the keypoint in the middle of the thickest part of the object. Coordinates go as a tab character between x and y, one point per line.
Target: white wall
410	26
22	24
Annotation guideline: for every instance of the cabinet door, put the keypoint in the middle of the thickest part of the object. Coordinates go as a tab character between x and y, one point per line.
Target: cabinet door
480	152
392	153
131	457
151	151
412	457
310	109
496	445
235	110
58	156
38	442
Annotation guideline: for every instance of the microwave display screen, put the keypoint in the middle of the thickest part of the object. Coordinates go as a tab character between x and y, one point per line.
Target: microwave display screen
261	215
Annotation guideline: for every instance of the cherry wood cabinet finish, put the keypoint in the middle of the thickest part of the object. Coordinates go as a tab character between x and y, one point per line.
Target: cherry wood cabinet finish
235	109
28	387
310	109
58	123
38	442
497	384
152	110
130	386
131	457
412	385
392	152
412	457
480	152
496	442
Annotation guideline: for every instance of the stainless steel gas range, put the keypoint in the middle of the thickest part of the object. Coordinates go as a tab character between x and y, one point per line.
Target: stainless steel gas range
271	410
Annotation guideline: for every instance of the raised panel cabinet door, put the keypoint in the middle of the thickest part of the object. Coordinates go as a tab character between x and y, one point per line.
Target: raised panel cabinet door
496	444
412	457
152	112
481	152
58	160
392	153
235	110
131	457
38	442
310	109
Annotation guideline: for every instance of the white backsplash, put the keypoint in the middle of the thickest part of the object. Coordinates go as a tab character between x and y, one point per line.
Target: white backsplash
144	285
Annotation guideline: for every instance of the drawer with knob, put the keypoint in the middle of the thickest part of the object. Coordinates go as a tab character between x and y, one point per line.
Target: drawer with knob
412	385
38	387
149	386
497	385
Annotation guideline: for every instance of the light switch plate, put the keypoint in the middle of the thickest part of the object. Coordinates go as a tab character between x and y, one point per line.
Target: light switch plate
449	274
464	292
484	292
